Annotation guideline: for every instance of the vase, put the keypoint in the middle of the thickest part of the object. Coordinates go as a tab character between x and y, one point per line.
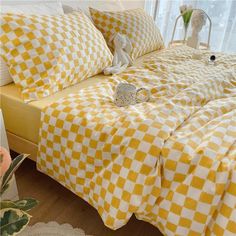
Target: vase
185	32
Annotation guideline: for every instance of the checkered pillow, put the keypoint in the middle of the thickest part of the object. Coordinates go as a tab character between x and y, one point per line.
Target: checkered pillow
48	53
136	24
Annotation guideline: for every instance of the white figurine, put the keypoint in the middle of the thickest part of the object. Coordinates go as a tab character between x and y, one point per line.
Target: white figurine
198	21
121	60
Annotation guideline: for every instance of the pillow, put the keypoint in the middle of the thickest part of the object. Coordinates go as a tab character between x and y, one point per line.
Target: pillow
136	24
83	5
48	53
52	8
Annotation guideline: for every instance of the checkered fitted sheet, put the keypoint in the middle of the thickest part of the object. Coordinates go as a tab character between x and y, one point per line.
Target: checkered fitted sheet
170	161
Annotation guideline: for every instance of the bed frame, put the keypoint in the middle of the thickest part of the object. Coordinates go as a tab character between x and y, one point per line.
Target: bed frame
21	145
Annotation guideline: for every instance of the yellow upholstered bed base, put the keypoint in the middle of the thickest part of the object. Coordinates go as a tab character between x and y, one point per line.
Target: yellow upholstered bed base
21	145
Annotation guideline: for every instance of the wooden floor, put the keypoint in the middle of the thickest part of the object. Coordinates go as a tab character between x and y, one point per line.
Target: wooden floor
61	205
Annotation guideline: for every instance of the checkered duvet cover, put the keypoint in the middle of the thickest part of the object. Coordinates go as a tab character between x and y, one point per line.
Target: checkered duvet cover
170	161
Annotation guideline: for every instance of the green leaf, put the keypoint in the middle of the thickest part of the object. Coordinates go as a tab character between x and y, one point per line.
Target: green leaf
186	17
8	204
13	221
26	204
11	170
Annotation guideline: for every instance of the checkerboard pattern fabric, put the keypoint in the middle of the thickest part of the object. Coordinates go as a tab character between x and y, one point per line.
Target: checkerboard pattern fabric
48	53
136	24
170	161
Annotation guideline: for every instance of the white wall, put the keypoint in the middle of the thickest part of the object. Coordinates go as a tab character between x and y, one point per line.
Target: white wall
128	4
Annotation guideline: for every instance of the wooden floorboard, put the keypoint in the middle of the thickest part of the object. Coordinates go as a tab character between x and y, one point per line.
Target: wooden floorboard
59	204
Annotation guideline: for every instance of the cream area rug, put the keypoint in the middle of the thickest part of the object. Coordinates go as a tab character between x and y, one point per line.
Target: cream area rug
52	229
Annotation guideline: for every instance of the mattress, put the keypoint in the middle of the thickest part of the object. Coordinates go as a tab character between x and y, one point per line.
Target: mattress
23	119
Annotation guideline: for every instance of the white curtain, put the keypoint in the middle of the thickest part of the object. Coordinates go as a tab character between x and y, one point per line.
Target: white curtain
221	12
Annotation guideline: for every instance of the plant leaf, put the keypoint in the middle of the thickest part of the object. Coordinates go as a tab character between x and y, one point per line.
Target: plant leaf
13	221
186	17
8	204
3	189
11	170
26	204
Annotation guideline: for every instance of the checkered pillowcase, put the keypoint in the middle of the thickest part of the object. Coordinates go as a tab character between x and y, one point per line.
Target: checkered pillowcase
136	24
48	53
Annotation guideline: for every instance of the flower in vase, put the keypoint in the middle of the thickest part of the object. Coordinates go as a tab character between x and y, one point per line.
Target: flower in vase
186	12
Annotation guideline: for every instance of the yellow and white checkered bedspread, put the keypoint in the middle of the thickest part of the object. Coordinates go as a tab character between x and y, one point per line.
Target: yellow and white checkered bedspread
171	161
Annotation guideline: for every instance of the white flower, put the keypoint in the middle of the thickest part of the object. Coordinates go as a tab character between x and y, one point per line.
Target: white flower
183	8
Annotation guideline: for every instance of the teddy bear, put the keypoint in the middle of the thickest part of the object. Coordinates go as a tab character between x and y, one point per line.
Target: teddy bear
121	59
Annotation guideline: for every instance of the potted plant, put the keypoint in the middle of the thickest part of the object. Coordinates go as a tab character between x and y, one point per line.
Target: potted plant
14	215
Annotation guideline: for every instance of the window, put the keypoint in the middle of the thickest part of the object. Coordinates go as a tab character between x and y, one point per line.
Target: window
222	14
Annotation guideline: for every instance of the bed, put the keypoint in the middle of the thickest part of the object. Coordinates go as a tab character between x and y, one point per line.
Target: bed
170	161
